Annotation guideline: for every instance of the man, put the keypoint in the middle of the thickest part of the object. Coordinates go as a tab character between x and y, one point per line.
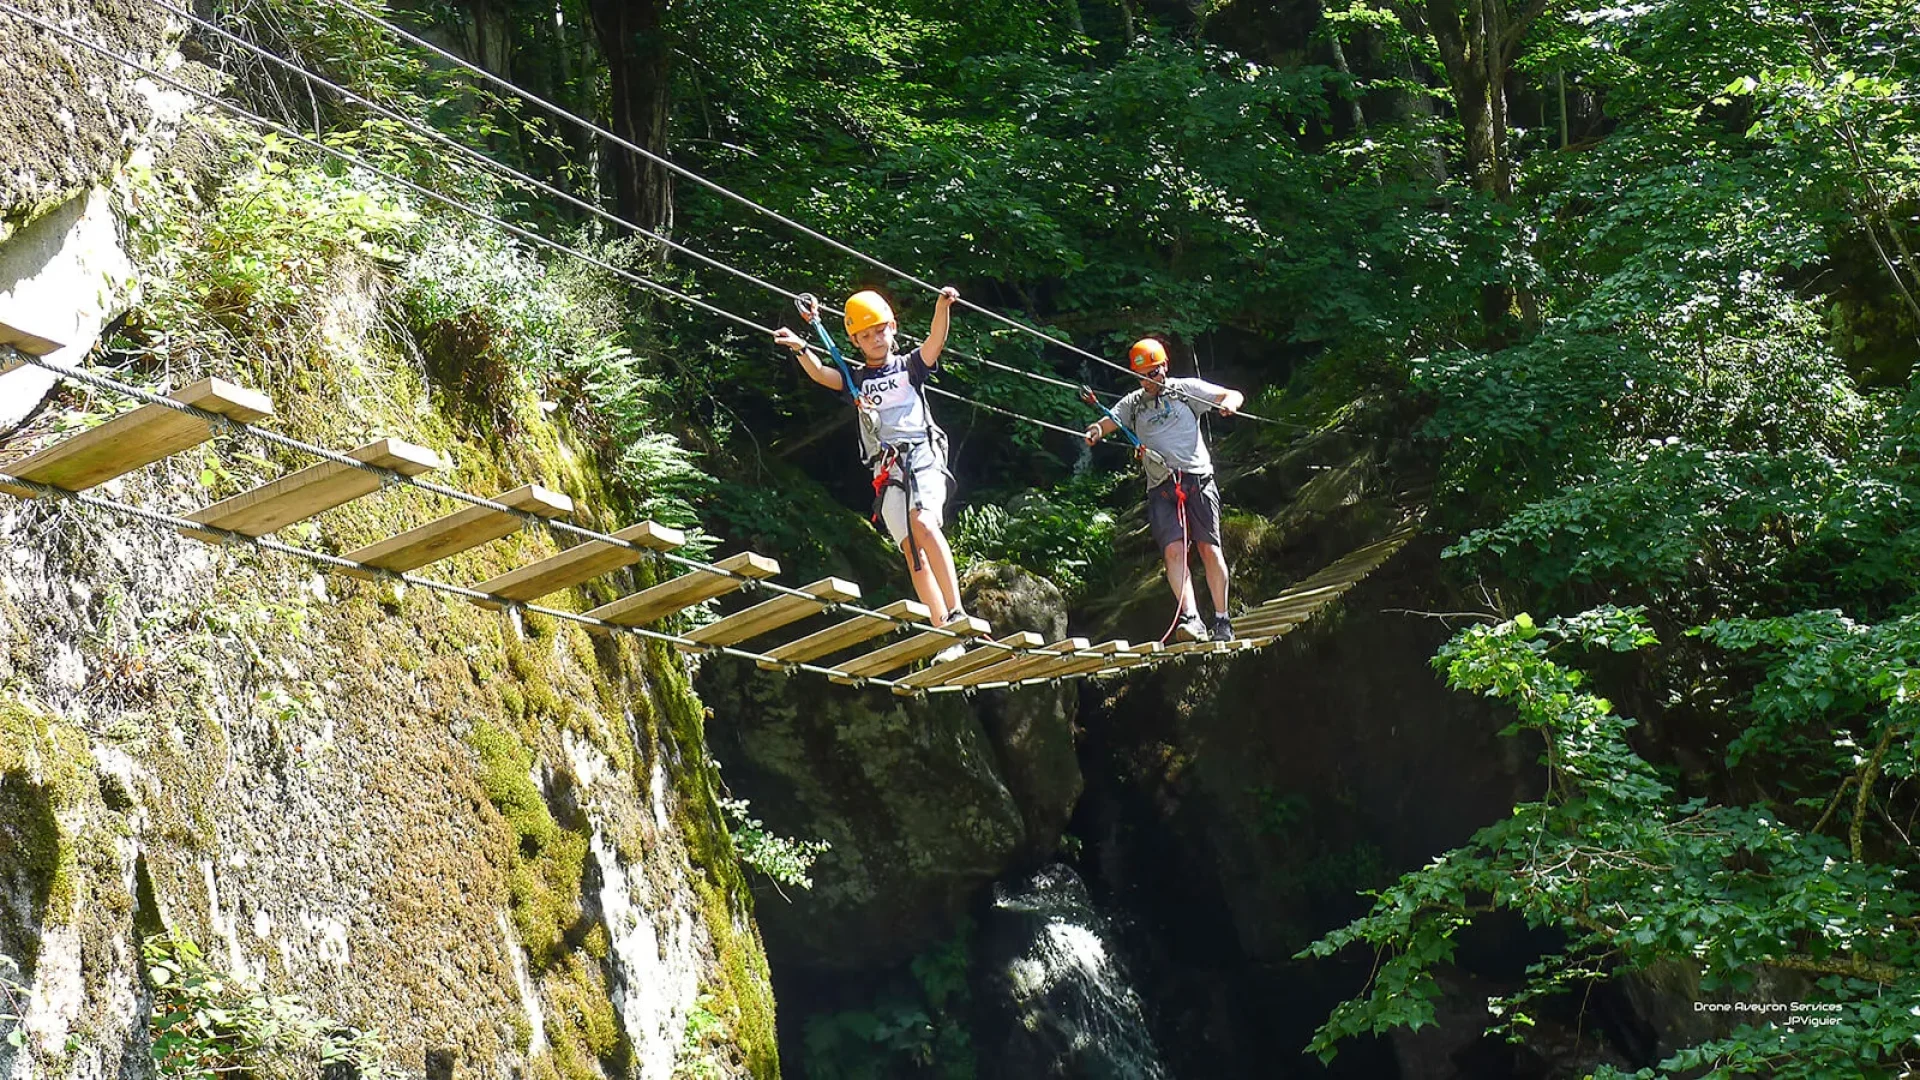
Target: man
1183	504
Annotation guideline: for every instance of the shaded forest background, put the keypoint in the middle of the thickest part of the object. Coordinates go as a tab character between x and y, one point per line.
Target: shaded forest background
1636	284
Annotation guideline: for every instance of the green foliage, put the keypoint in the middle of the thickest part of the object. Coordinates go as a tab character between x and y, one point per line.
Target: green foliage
1632	878
15	999
263	254
206	1024
785	861
1065	534
694	1061
499	302
912	1031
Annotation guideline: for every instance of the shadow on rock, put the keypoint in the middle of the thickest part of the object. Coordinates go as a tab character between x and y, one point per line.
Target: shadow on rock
923	801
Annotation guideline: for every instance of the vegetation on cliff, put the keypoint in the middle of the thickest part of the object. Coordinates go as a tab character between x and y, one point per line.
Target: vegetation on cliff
1625	296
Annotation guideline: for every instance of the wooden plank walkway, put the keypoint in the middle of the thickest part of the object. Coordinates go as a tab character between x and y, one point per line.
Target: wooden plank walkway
901	653
773	614
150	433
855	631
973	660
27	342
690	588
578	564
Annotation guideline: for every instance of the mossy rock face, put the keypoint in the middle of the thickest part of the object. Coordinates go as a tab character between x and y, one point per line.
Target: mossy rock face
64	904
68	112
497	843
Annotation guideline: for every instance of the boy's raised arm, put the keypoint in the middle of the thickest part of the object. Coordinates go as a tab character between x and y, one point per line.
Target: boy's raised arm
937	334
815	370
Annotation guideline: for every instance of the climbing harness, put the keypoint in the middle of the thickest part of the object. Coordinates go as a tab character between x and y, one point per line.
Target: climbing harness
886	478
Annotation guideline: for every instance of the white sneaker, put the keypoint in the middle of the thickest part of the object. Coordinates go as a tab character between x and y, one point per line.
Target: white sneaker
952	652
1190	628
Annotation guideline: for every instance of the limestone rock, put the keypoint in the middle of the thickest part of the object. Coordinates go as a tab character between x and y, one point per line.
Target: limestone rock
63	278
71	115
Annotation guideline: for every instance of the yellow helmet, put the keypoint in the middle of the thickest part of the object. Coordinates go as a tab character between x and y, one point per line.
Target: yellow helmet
865	309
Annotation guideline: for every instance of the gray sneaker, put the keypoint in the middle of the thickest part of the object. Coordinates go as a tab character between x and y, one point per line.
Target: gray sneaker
1190	628
1222	628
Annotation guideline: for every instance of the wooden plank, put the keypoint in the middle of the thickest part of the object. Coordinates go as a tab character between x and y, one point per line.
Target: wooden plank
1014	669
26	341
775	613
582	562
1287	608
1135	655
1290	596
137	438
1191	648
901	653
315	489
462	530
845	635
693	587
1288	619
973	660
1078	665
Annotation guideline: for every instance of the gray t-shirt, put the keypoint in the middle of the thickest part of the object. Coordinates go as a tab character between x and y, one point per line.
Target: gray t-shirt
893	410
1169	425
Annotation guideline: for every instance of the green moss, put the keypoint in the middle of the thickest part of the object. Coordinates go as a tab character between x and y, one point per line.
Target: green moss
548	860
743	998
46	773
341	385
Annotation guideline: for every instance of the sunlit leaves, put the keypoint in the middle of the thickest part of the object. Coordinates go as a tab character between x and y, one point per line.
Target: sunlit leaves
1633	879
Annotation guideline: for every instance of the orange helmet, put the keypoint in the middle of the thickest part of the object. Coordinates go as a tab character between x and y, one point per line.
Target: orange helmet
1146	355
865	309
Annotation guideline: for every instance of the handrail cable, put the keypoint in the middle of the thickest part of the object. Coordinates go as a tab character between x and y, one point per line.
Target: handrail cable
393	477
335	562
681	170
519	177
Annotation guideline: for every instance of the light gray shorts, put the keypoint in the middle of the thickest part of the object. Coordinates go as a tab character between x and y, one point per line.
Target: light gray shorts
917	480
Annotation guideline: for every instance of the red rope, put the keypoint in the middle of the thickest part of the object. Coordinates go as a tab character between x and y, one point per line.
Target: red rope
1180	508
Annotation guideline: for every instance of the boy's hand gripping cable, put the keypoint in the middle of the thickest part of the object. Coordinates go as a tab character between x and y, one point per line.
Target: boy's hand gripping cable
809	306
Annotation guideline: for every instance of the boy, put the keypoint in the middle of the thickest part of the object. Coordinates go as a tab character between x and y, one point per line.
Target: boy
1164	414
898	438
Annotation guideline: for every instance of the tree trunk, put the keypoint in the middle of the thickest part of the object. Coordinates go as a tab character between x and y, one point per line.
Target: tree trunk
1340	65
633	39
1477	45
1477	41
